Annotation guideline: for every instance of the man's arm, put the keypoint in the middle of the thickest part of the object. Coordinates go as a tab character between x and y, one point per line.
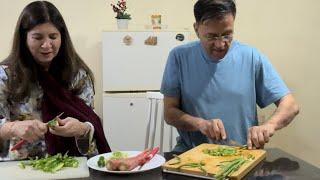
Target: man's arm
174	116
286	110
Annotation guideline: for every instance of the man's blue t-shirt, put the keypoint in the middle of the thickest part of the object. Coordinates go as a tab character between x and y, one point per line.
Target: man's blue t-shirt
228	89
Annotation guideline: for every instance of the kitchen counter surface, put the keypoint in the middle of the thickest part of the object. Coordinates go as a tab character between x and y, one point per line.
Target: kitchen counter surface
277	166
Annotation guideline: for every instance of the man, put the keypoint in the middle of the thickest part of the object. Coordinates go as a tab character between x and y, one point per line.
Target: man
212	86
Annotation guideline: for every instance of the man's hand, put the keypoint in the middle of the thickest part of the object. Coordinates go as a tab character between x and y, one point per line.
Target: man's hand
259	135
70	127
30	130
213	129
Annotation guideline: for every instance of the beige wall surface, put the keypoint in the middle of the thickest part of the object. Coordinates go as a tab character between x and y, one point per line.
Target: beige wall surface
287	31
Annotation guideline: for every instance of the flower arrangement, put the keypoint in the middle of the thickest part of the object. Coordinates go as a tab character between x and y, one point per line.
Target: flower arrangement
121	9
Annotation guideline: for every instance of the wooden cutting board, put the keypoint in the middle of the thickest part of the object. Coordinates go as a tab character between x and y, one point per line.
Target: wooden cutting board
11	170
196	155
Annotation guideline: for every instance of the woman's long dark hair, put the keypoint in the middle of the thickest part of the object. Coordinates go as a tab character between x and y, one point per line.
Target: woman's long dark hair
23	69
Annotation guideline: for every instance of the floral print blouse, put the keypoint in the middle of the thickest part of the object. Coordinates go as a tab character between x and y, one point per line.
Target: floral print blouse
30	108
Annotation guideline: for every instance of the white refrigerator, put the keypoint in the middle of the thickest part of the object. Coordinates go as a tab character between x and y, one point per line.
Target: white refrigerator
133	63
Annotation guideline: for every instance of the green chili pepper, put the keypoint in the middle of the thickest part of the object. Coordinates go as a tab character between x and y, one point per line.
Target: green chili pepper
194	165
53	123
51	163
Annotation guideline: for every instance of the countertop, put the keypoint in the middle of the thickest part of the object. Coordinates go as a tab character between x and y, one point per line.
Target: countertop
277	166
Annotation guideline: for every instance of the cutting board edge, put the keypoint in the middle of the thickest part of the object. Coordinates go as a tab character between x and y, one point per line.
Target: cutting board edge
188	172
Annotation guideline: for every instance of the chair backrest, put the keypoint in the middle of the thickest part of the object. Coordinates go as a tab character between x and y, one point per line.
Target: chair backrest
156	107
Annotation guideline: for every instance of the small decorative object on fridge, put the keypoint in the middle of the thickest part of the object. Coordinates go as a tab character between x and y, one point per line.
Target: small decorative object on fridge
156	21
123	16
180	37
151	41
127	40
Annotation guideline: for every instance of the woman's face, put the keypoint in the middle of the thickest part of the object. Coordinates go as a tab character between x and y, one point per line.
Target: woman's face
44	41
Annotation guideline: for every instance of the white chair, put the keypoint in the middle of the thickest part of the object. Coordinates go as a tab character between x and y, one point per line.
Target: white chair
155	107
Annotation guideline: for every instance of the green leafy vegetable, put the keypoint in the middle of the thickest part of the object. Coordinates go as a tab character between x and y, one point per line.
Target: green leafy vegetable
51	163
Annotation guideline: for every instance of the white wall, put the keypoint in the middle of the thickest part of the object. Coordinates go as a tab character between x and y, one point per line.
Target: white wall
287	31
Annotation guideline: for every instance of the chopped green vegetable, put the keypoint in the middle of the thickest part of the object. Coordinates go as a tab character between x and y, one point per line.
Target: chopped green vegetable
101	161
54	122
119	154
51	163
22	165
176	157
221	151
243	147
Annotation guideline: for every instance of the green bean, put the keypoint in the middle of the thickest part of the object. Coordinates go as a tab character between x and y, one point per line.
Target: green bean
227	167
176	157
194	165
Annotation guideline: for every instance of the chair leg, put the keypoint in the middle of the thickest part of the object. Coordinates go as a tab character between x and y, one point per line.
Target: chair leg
154	125
170	138
161	132
148	126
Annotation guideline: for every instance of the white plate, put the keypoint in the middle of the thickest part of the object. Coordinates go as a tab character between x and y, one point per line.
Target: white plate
155	162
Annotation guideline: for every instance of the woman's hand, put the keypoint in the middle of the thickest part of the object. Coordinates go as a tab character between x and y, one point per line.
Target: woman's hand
30	130
70	127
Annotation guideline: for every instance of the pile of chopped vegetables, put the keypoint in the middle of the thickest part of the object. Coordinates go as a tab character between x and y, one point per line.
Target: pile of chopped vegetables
51	163
221	151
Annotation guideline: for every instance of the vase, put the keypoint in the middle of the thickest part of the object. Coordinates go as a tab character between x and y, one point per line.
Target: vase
122	23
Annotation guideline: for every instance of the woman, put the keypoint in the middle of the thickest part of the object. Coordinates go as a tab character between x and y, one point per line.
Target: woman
42	77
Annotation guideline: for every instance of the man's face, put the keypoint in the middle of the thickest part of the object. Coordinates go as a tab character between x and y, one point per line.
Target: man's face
216	35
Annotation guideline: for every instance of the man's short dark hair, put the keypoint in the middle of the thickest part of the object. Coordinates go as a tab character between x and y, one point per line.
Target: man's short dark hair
213	9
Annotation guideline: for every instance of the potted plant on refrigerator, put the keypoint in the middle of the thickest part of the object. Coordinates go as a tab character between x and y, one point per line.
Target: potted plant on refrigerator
123	16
